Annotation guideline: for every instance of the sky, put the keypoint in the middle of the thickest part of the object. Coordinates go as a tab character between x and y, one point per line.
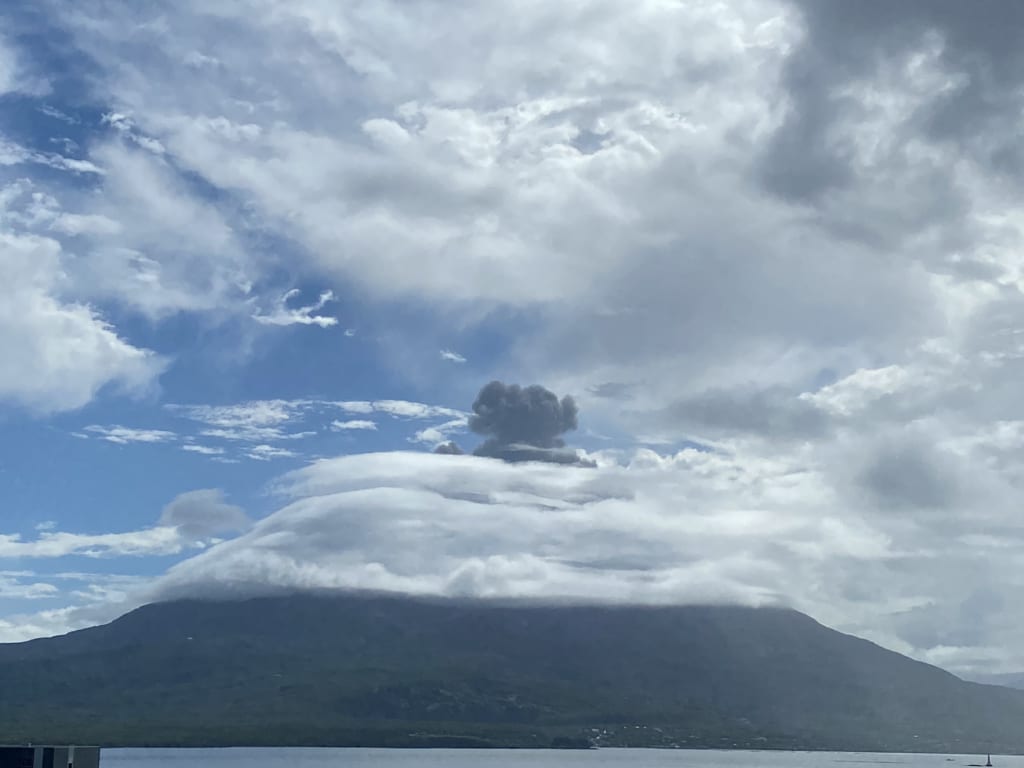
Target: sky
760	261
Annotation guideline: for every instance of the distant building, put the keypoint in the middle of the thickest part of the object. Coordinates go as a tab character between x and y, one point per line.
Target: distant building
49	757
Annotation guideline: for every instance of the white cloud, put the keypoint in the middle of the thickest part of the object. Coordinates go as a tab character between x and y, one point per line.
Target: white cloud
405	409
862	387
18	589
356	424
14	154
284	315
14	75
254	421
454	178
57	354
205	450
167	249
125	435
267	452
84	224
269	421
651	531
19	628
127	128
8	68
51	111
355	406
190	520
452	357
440	433
57	544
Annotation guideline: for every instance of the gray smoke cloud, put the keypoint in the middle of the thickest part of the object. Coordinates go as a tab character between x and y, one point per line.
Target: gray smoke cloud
451	448
977	44
204	513
524	423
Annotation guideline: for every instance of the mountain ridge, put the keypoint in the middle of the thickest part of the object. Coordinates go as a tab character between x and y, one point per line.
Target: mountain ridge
372	670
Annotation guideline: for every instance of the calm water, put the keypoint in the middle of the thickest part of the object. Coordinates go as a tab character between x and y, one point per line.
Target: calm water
465	758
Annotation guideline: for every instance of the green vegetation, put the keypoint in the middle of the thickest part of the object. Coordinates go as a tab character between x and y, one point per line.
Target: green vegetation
381	671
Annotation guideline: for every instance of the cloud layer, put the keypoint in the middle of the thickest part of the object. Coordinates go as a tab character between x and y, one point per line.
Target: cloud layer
691	527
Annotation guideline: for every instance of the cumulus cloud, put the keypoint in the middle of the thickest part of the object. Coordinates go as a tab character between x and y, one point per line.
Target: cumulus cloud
203	514
17	587
58	354
452	357
523	423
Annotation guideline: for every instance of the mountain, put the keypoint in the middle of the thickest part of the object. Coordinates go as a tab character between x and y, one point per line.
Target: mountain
1010	679
371	670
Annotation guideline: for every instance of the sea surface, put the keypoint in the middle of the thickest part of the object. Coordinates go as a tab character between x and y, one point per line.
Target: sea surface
471	758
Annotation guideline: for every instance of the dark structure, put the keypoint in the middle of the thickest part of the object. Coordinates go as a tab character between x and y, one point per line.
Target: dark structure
49	757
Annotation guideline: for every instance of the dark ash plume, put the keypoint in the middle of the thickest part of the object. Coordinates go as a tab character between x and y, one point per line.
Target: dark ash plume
524	423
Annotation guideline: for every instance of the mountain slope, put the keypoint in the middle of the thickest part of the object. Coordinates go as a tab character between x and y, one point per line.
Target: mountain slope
1010	680
358	669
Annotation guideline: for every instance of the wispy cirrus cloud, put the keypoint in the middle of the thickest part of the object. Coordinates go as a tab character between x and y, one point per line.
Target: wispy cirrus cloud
125	435
284	315
253	421
269	452
18	73
267	421
14	154
57	544
204	450
189	521
353	424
